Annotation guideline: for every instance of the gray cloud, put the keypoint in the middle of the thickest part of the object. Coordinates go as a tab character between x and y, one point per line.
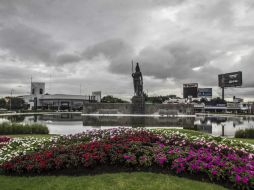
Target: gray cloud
175	41
176	60
246	66
68	58
28	44
217	13
117	51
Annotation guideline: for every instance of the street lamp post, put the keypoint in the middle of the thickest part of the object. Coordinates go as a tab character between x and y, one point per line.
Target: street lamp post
11	98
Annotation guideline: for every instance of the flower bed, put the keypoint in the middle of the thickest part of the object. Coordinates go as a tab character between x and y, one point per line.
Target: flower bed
221	141
173	152
4	140
22	146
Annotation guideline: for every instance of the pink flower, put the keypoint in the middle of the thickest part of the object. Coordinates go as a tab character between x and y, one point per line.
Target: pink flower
162	145
126	157
162	160
237	178
245	180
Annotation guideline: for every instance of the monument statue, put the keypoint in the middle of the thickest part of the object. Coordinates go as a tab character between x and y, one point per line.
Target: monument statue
138	82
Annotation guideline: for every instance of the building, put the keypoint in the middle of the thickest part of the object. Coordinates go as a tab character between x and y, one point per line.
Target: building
39	99
97	95
230	107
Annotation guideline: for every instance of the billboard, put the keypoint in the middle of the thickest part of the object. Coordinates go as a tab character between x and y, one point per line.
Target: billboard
205	92
190	90
230	79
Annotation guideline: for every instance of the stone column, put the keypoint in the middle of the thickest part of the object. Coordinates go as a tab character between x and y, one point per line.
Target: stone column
138	105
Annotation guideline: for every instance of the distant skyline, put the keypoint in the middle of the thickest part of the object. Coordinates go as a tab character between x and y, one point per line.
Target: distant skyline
92	43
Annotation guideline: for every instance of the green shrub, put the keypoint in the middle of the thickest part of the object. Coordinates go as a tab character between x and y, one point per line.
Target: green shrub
247	133
8	128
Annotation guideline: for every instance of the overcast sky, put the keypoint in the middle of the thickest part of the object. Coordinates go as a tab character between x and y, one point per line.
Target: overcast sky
90	43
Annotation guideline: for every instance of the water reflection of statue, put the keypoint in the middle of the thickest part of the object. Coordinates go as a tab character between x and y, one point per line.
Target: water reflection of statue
138	82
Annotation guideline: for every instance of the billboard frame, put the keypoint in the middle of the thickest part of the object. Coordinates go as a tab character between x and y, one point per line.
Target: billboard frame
236	77
230	80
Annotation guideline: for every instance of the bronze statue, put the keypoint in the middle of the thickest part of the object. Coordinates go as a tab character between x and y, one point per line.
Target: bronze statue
138	82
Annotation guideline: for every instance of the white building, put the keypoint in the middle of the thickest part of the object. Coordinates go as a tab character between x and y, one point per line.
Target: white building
38	99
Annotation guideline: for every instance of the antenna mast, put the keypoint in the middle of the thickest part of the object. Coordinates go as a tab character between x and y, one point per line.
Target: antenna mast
132	66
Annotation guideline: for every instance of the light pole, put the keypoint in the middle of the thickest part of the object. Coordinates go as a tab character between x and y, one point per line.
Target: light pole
11	98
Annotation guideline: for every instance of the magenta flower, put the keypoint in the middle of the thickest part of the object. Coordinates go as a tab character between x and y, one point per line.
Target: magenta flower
161	145
162	160
126	157
237	178
245	180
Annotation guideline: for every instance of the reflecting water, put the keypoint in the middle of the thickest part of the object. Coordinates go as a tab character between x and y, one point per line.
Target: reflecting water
65	123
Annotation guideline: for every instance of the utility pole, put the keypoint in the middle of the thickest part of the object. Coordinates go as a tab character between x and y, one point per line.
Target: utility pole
223	87
223	93
132	66
11	98
49	84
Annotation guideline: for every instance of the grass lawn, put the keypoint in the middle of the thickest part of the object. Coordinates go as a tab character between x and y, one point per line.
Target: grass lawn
197	133
251	141
117	181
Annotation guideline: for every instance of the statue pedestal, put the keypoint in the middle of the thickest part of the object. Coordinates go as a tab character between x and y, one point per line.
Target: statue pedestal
138	105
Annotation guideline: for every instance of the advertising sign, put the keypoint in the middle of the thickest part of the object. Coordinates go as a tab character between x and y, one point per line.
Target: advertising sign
205	92
190	90
190	85
230	79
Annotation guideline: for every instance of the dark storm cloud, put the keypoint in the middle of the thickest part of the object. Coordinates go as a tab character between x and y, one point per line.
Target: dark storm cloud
28	43
116	51
176	60
175	41
246	66
110	49
217	12
68	58
12	74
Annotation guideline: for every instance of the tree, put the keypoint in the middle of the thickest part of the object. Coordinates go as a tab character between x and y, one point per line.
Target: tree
216	101
145	97
204	100
2	103
111	99
15	103
158	99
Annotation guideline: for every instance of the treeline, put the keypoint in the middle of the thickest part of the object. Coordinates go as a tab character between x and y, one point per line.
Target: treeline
13	103
158	99
111	99
161	99
212	102
151	99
